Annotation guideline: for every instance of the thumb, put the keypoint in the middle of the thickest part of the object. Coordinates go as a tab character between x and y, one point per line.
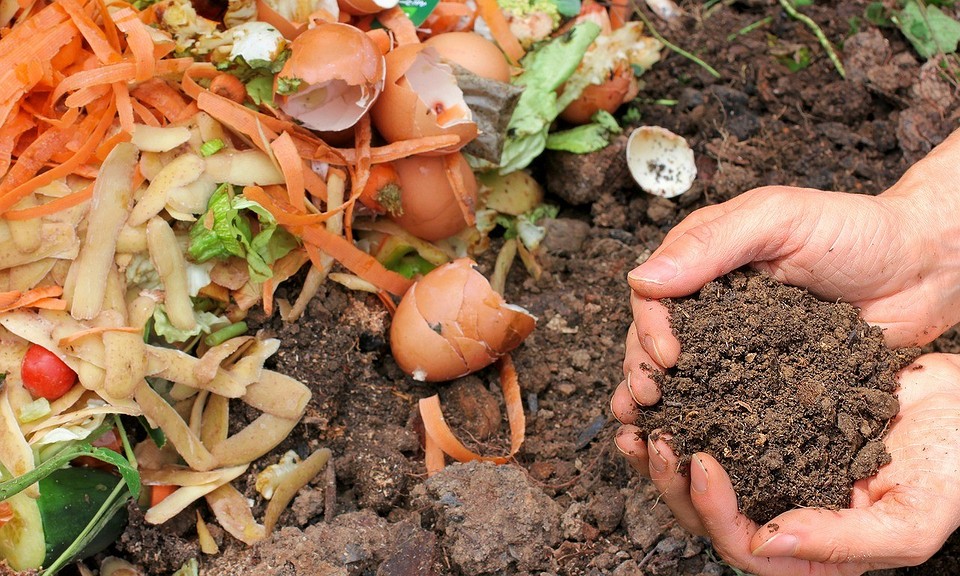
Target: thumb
708	248
885	534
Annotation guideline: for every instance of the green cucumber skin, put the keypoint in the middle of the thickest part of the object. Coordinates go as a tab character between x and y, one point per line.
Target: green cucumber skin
69	498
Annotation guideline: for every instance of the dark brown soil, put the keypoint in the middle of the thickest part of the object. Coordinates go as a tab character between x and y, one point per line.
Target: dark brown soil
758	124
792	395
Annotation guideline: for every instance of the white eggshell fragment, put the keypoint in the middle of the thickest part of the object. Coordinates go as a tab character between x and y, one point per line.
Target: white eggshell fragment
660	161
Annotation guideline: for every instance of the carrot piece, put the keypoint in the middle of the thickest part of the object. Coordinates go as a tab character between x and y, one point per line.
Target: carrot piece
80	334
241	120
144	113
229	86
489	10
397	21
198	71
356	260
109	74
433	456
30	161
162	97
52	207
381	176
138	41
285	214
437	429
88	95
9	135
451	165
94	35
292	167
159	492
16	299
121	94
389	152
50	304
107	145
11	197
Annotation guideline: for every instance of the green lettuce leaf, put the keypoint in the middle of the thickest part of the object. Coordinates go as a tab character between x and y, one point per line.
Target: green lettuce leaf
170	333
545	70
225	231
587	138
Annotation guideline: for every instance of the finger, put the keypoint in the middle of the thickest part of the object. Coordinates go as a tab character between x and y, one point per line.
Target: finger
652	321
883	535
638	368
632	445
730	531
674	487
622	404
758	230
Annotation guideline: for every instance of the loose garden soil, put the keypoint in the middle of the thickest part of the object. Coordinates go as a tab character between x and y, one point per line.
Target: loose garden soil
568	505
792	395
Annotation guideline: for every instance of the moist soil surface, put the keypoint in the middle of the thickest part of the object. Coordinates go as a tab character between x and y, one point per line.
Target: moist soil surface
790	394
568	504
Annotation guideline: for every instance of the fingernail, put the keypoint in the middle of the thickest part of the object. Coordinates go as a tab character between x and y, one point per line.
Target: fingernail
650	345
778	545
630	388
657	461
612	411
616	442
698	475
654	271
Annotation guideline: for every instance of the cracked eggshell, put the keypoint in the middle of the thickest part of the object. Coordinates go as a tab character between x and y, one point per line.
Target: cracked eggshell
660	161
421	98
621	87
428	202
364	7
473	52
451	323
341	73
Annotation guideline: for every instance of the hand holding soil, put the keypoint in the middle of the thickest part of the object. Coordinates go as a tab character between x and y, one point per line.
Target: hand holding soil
890	257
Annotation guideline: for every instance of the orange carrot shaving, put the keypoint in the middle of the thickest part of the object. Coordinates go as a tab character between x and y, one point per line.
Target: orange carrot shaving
433	456
11	197
451	164
17	299
9	136
284	213
50	304
356	260
437	429
489	10
139	42
292	167
52	207
80	334
198	71
229	86
94	35
239	119
161	97
397	21
388	302
144	114
159	493
121	95
107	145
392	151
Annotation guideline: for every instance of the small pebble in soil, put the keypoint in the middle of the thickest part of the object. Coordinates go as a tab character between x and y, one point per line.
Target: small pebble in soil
792	395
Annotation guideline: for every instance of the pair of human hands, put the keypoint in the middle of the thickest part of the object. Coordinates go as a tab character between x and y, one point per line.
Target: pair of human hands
895	257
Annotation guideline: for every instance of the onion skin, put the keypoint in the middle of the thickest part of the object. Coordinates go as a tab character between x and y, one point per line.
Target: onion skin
429	207
452	323
400	114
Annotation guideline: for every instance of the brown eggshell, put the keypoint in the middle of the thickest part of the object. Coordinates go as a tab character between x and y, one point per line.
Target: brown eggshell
401	112
430	208
620	88
364	7
473	52
333	54
451	323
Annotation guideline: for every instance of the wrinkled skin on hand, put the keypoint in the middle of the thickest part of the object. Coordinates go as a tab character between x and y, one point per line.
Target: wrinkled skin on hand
897	258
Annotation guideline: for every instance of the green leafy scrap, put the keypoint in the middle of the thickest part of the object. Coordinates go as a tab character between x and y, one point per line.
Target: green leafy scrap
257	75
586	138
928	29
225	230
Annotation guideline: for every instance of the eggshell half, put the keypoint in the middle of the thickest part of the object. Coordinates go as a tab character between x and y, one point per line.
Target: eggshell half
660	161
451	323
430	208
621	87
421	98
341	72
473	52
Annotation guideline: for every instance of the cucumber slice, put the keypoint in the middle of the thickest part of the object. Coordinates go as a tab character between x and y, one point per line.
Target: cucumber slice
21	539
